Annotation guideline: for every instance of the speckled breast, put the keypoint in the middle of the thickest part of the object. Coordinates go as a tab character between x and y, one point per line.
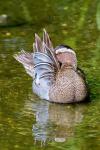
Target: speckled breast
69	87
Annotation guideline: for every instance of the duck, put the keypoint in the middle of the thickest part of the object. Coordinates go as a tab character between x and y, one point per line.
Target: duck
56	76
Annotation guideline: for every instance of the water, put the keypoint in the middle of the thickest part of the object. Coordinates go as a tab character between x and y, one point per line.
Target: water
28	123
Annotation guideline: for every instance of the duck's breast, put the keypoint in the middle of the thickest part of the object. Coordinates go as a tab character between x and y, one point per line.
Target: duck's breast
69	87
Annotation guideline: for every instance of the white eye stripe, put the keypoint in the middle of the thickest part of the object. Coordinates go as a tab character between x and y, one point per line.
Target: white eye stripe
62	50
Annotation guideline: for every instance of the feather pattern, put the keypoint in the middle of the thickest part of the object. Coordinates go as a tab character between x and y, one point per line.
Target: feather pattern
45	70
45	63
45	66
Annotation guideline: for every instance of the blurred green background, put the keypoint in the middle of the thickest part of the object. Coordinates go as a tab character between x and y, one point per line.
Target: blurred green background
26	122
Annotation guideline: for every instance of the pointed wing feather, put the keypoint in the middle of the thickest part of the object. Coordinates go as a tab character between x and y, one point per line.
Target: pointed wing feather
38	44
46	40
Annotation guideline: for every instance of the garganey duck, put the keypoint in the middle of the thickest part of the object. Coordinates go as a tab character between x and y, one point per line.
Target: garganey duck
55	74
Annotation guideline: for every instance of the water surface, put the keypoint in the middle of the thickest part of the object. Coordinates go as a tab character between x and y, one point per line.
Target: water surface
28	123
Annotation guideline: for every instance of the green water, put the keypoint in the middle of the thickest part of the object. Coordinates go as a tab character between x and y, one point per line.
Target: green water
26	122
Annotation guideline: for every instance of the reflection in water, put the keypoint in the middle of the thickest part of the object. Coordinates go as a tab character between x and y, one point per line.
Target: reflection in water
54	122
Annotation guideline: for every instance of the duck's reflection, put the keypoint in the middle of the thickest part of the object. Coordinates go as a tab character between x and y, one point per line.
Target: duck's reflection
55	122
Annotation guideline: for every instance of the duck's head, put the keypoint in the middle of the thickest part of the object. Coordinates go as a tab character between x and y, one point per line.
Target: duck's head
66	56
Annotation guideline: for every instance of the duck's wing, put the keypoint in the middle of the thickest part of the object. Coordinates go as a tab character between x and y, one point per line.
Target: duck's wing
45	66
26	59
43	57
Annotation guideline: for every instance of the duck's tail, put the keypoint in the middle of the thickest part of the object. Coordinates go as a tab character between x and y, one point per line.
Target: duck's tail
26	59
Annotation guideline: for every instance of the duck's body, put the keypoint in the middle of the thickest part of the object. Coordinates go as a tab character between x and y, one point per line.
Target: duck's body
54	71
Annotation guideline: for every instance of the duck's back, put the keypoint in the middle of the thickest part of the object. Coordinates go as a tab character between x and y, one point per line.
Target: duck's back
69	87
